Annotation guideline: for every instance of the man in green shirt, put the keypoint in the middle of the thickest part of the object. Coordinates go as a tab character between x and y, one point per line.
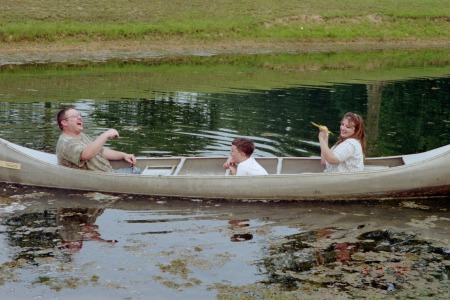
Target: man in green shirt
75	149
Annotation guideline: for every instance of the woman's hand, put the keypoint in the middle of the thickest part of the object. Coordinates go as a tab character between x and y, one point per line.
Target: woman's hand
323	134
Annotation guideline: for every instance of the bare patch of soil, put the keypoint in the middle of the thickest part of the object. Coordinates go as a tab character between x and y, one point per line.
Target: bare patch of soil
26	53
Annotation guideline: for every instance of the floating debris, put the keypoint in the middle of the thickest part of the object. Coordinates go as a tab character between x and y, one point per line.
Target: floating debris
374	260
411	204
101	197
15	206
35	195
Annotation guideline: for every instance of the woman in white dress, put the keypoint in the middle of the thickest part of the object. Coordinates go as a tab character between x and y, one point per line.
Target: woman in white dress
348	154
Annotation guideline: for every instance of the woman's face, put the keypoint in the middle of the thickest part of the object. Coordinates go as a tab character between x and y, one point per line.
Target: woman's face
347	128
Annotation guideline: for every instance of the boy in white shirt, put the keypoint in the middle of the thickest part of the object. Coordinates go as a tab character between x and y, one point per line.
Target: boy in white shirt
240	161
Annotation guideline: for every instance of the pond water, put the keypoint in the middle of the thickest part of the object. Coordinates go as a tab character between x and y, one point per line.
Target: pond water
74	245
71	245
175	110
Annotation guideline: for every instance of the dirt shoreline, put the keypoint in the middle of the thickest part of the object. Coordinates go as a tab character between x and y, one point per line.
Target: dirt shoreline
28	53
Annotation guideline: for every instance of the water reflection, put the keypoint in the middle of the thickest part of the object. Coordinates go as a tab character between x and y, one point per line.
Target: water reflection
74	242
34	235
53	232
77	225
238	225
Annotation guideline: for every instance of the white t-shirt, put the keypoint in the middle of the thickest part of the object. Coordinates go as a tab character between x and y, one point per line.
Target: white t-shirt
250	167
350	156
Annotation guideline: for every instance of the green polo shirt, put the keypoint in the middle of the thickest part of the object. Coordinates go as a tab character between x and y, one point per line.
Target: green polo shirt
69	149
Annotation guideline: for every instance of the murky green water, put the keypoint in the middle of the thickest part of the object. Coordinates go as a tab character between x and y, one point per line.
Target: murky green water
189	117
64	245
72	245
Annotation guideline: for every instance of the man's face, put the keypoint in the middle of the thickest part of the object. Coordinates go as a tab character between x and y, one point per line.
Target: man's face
73	121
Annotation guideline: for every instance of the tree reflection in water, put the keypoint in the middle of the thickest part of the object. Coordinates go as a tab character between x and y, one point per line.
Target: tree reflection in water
34	234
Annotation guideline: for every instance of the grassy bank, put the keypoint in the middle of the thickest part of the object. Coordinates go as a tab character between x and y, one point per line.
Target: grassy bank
30	21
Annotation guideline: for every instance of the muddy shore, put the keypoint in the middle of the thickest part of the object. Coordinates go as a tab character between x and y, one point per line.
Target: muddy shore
31	53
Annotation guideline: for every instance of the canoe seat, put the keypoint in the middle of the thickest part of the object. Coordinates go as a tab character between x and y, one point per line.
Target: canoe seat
159	170
375	168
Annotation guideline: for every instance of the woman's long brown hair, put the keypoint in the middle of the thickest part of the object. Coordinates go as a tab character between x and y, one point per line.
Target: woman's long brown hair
359	134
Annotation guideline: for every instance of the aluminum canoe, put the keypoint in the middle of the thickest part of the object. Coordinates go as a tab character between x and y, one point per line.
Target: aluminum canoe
410	176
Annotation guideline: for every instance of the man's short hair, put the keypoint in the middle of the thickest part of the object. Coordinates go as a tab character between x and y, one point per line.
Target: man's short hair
62	114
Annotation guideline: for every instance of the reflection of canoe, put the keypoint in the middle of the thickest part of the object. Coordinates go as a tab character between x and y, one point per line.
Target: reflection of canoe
290	178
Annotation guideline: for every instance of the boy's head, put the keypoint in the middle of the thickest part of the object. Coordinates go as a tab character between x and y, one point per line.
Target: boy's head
244	146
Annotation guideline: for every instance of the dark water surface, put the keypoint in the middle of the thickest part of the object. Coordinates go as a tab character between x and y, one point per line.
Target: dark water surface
74	245
402	116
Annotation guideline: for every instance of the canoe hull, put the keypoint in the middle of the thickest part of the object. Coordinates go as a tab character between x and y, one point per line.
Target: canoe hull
428	178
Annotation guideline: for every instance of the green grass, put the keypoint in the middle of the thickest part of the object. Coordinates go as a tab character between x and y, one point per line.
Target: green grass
222	20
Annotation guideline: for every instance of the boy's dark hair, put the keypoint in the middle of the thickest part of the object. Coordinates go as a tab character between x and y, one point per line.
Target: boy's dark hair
244	145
